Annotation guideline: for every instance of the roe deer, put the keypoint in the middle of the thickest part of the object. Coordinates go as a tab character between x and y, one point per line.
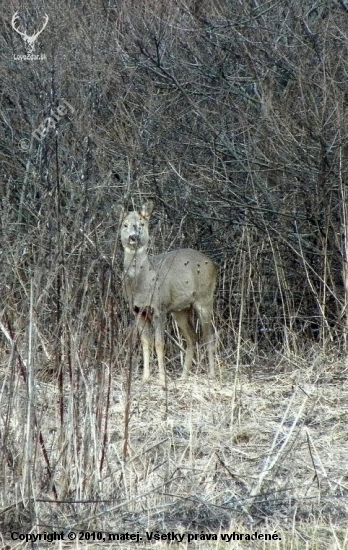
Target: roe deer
174	282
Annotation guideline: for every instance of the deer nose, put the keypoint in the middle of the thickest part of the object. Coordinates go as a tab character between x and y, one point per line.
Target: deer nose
134	238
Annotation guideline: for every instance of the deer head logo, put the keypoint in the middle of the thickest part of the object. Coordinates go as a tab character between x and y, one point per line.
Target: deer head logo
29	40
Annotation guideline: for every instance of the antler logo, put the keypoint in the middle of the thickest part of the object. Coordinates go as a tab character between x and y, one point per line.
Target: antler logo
29	40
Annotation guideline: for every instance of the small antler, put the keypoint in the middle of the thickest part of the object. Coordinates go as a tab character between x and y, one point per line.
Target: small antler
13	23
34	37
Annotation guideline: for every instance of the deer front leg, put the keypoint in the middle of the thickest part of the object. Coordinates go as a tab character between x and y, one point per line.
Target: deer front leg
145	333
159	346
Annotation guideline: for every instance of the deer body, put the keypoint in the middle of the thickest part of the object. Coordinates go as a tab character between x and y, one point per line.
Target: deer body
175	282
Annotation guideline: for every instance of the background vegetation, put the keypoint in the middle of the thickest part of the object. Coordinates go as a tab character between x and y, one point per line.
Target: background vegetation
233	117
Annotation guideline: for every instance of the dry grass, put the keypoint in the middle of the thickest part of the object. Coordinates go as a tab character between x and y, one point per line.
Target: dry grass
262	449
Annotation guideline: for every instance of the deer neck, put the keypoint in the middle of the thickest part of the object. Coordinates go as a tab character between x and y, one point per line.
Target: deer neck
135	261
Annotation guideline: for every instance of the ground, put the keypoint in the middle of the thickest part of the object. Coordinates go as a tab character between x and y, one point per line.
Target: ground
261	449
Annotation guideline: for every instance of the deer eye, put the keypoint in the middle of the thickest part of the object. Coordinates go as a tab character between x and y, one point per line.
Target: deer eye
125	225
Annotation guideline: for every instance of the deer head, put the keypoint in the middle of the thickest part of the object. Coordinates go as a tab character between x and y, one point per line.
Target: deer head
29	40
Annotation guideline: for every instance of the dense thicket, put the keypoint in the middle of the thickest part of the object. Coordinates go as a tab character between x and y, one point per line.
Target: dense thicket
232	115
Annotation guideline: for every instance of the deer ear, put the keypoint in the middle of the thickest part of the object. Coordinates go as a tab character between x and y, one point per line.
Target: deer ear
121	212
146	210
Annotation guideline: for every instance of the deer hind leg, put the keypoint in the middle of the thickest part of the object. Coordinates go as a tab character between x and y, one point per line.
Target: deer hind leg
205	314
145	333
183	319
